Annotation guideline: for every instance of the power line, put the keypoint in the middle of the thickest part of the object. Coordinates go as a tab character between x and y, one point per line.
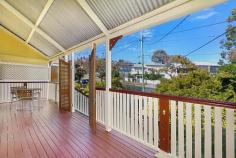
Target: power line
199	27
176	26
189	29
212	40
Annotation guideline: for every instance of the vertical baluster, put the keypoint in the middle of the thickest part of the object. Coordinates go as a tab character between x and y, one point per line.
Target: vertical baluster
77	102
136	116
97	104
156	116
112	108
218	132
173	128
181	129
103	99
102	106
188	130
198	135
121	111
145	118
140	117
124	112
118	110
115	110
150	128
128	114
132	99
230	152
208	141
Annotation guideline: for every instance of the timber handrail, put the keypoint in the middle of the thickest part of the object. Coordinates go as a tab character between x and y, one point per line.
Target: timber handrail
26	82
100	88
231	105
80	91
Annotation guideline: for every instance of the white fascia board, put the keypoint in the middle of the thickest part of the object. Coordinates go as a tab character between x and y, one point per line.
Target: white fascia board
83	45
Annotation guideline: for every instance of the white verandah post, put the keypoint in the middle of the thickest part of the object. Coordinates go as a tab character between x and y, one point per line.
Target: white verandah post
72	82
49	80
108	86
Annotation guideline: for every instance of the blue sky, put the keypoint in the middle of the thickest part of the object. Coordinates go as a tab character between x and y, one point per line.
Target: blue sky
179	41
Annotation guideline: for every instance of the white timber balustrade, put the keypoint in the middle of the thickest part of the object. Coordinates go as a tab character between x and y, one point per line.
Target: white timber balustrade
82	106
135	116
81	102
198	128
47	89
202	127
100	105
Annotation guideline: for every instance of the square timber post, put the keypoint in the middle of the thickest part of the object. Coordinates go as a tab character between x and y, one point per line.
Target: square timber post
108	86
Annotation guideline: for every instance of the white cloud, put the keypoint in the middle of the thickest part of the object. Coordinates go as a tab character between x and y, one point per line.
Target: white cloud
205	14
147	33
133	49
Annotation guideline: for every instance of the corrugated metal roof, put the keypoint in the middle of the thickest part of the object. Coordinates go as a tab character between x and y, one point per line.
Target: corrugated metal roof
12	23
68	24
116	12
43	45
29	8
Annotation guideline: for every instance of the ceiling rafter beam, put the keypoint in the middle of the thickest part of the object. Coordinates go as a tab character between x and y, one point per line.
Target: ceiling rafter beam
93	16
40	18
30	24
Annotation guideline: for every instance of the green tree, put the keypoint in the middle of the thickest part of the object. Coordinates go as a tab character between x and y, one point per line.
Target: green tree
229	43
200	84
116	78
101	68
177	63
160	56
152	75
80	72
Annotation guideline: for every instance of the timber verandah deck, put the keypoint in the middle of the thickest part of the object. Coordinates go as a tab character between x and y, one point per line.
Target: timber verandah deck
51	133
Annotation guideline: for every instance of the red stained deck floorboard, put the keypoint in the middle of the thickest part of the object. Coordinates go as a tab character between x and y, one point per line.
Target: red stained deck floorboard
51	133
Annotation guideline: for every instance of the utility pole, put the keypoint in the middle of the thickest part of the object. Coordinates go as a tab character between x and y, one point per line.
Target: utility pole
142	60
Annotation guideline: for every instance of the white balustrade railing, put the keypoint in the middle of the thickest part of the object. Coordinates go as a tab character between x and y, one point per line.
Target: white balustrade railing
81	102
136	116
47	89
53	92
196	128
100	106
201	130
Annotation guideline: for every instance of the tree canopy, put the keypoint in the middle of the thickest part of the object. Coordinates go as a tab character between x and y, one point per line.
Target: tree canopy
229	43
200	84
160	56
